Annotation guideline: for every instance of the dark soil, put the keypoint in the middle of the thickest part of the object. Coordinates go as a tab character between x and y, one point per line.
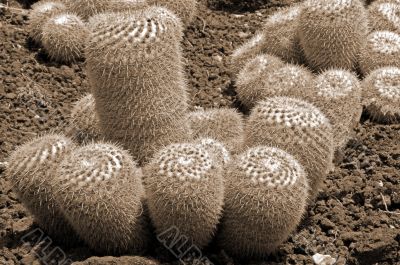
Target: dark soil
356	219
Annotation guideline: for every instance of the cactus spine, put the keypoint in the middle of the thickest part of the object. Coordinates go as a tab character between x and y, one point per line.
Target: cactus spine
184	9
31	170
184	188
332	33
99	189
297	127
63	37
138	79
381	95
266	194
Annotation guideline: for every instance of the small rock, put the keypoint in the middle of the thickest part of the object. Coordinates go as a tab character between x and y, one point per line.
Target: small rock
11	96
320	259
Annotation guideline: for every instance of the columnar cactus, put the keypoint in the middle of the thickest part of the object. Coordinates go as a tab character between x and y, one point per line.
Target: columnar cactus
40	13
184	188
224	125
278	37
64	36
31	170
99	189
84	124
266	196
289	80
297	127
332	33
381	95
184	9
383	49
338	94
384	16
134	65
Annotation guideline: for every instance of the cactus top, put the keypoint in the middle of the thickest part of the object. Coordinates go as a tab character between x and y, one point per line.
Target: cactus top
254	41
336	83
270	166
290	112
384	42
328	7
92	163
219	147
390	11
288	77
66	19
386	81
44	7
287	14
186	162
258	66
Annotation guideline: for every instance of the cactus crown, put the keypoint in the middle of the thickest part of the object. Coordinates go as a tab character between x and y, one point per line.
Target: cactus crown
216	147
290	112
387	82
257	66
385	42
288	77
329	7
33	154
390	11
92	164
186	162
335	83
66	19
46	6
270	166
254	41
287	14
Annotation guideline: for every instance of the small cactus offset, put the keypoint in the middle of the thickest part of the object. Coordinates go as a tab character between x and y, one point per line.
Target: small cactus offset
31	170
184	9
225	125
63	37
338	94
135	68
384	16
266	197
84	124
184	188
297	127
332	33
99	189
381	95
383	49
278	37
288	80
40	13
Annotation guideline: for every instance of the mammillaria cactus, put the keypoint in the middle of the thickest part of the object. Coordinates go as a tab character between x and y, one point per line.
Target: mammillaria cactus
64	36
332	33
83	125
383	49
216	149
384	16
289	80
266	195
41	11
31	170
381	95
224	125
338	94
99	189
184	9
278	37
184	188
137	78
297	127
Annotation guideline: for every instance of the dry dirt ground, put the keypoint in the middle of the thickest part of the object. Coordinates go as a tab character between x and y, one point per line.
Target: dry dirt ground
356	219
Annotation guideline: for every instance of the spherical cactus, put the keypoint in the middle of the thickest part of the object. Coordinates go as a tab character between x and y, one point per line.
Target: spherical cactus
332	33
216	149
84	124
31	170
278	37
297	127
338	94
266	196
381	95
289	80
63	37
99	189
383	49
224	125
40	13
126	5
184	188
184	9
138	80
384	16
